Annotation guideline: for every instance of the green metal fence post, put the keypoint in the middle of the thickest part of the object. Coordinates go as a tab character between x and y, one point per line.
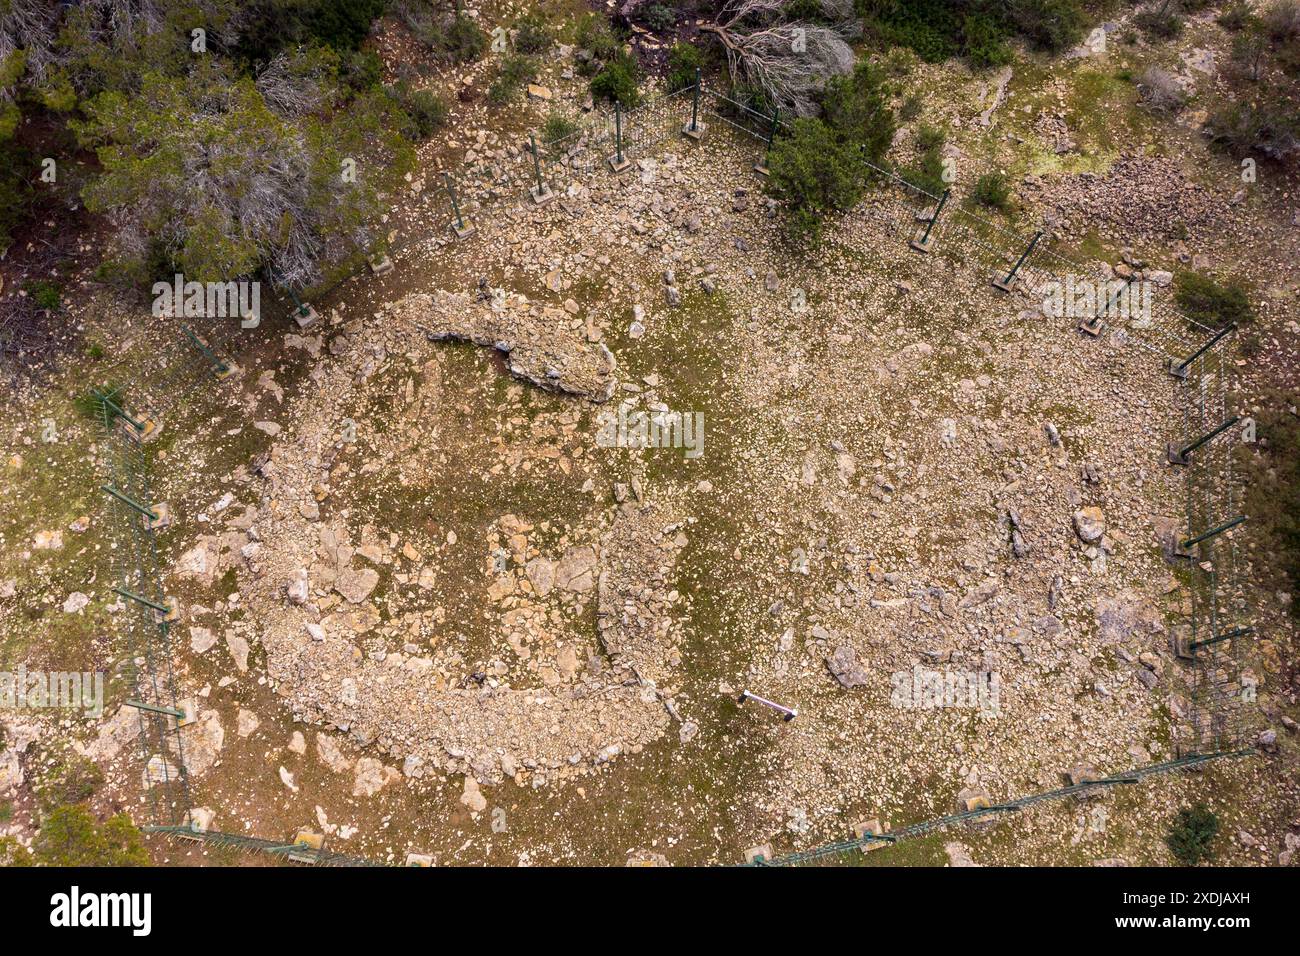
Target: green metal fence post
761	166
462	229
541	193
1179	369
618	163
923	244
1005	284
1214	532
1178	456
695	129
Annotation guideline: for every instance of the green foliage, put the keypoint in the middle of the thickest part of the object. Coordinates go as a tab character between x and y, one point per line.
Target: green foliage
13	853
15	193
993	190
515	72
426	111
71	836
683	60
1191	833
362	70
557	128
272	188
814	172
1161	19
617	81
596	44
984	41
46	294
1274	489
1235	15
926	172
1213	303
659	18
71	779
856	107
532	34
976	29
911	107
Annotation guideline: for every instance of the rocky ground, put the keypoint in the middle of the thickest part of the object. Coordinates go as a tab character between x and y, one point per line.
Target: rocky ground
428	609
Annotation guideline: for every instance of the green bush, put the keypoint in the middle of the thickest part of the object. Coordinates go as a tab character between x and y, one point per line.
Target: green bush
814	172
1274	489
515	71
595	37
926	172
617	81
1212	303
976	29
462	41
856	107
992	190
71	836
1161	19
46	294
683	60
1192	832
911	108
71	779
532	34
658	17
1051	25
557	128
362	70
426	112
984	41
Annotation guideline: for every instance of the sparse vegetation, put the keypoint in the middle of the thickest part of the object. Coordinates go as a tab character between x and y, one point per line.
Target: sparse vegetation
993	190
1160	92
1192	833
515	72
1211	302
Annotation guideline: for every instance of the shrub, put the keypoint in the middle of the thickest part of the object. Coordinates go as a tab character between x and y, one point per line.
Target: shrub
658	17
557	128
45	294
856	108
425	110
617	81
927	172
462	41
71	836
1159	91
1212	303
532	35
1282	21
1261	128
72	779
596	38
1161	18
911	107
362	70
514	72
1050	24
984	41
814	172
1235	15
683	60
992	190
1274	491
1192	832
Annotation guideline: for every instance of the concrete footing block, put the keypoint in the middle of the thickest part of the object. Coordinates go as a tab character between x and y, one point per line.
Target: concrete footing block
381	265
760	853
541	196
159	517
419	859
306	317
463	231
871	827
696	134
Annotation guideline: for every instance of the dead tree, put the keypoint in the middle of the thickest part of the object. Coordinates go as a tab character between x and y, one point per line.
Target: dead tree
789	60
